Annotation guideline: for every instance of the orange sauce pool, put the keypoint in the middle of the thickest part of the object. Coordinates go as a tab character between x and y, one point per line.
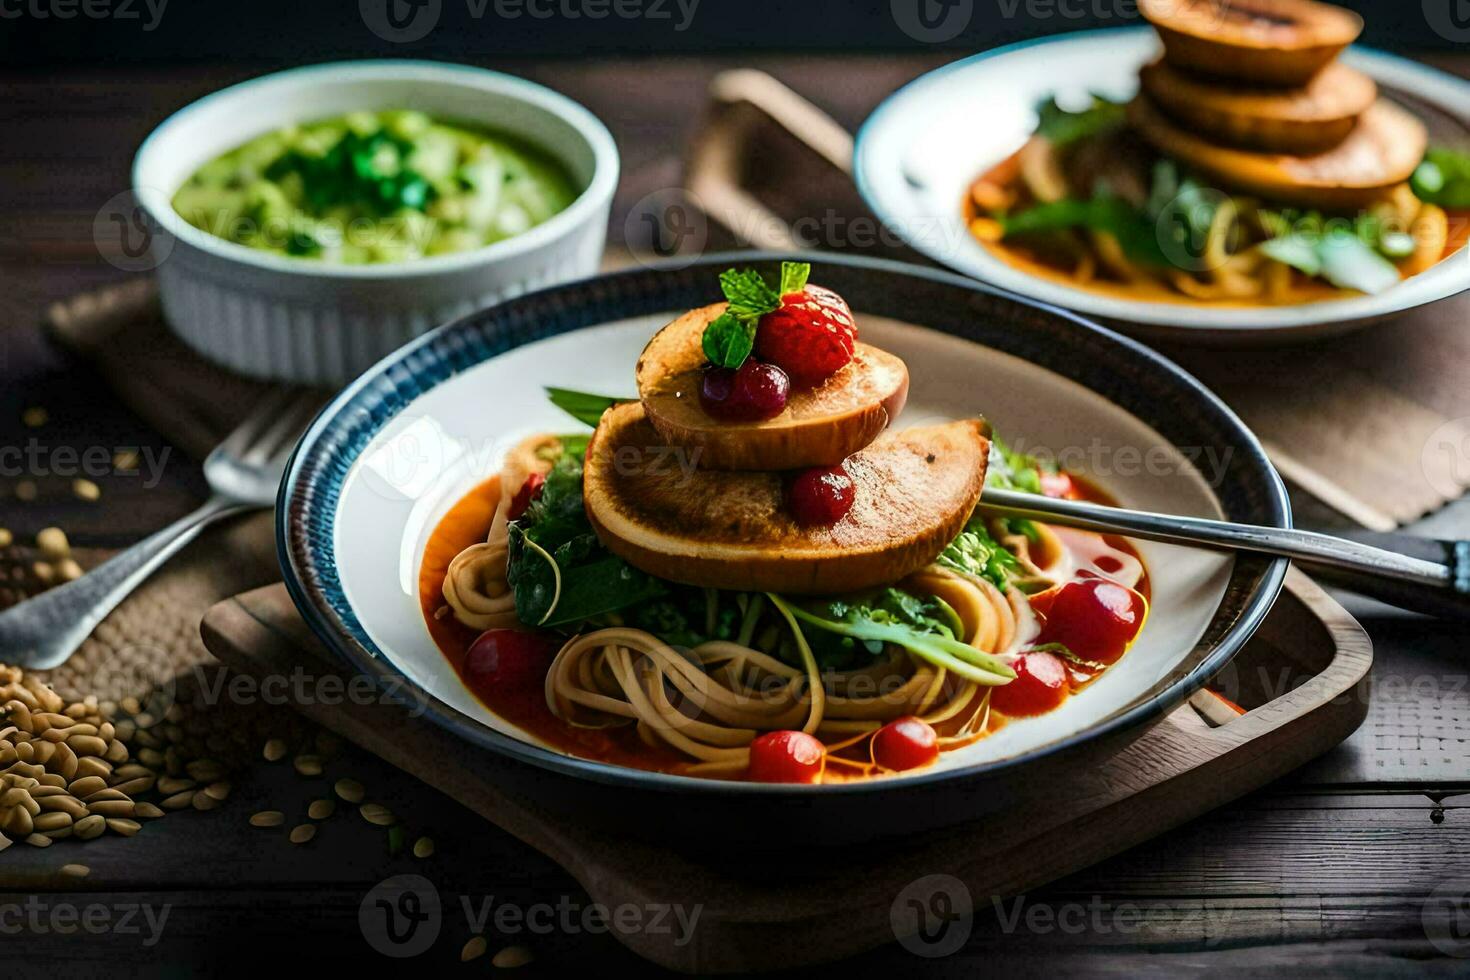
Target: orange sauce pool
468	523
1034	263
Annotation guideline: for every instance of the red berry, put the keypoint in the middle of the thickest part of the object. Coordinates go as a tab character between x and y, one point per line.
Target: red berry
786	757
821	496
528	492
905	743
1094	618
750	393
810	336
1040	685
508	659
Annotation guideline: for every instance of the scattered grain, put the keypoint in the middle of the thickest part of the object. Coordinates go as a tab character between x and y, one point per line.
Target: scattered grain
268	818
423	848
350	790
321	809
86	489
302	833
474	949
512	957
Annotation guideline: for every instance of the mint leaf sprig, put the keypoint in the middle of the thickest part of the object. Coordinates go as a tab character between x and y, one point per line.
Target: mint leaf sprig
730	337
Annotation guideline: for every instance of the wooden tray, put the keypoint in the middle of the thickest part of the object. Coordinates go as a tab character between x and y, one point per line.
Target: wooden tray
1302	679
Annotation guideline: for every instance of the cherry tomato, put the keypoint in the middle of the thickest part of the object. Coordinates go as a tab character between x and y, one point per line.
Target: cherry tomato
515	660
1040	686
528	492
1059	485
905	743
1094	618
787	757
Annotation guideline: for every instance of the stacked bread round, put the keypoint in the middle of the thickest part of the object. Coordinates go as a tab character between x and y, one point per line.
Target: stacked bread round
697	500
1251	94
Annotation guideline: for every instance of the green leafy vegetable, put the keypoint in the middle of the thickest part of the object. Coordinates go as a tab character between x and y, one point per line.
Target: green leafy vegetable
1062	126
1132	228
730	337
558	571
1181	208
837	651
581	405
1443	178
977	553
1297	251
940	649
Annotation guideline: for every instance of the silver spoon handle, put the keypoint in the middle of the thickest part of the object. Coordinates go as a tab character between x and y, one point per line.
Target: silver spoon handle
1360	564
42	632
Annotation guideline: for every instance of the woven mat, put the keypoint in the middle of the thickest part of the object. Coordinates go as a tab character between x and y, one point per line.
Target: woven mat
1376	424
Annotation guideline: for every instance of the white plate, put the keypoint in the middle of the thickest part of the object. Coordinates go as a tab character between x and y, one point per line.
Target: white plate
455	435
919	151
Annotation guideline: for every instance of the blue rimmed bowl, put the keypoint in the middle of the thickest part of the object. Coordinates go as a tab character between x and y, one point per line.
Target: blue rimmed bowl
393	452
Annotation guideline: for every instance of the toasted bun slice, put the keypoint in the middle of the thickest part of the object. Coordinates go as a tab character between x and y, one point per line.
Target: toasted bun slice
820	426
914	491
1262	42
1311	119
1382	150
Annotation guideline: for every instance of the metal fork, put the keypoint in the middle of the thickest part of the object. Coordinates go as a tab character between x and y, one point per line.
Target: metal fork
243	473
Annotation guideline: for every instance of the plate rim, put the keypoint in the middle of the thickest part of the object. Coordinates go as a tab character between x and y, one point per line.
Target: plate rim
1163	320
350	643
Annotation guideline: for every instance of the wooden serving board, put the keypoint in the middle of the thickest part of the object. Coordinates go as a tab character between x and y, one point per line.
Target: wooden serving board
1303	679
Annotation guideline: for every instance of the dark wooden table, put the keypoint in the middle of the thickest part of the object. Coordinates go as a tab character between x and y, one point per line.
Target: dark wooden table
1329	870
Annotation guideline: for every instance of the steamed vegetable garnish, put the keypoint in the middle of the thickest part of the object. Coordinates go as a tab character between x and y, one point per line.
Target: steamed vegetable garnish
373	187
560	573
1352	256
975	552
888	607
939	648
1062	126
1443	178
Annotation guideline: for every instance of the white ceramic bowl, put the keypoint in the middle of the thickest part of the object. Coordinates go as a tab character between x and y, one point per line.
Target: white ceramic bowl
272	316
918	152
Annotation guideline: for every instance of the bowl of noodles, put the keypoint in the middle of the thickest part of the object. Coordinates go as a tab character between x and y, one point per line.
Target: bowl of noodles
1176	204
447	528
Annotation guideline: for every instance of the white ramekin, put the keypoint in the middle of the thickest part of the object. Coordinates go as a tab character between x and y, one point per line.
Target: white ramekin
272	316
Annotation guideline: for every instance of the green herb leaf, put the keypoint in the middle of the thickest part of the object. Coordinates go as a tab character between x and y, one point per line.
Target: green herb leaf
794	276
1062	126
747	293
728	340
583	406
975	552
1136	233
